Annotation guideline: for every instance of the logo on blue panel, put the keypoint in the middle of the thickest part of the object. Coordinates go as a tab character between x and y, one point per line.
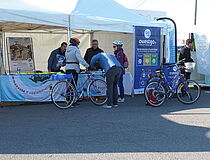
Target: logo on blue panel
140	61
147	33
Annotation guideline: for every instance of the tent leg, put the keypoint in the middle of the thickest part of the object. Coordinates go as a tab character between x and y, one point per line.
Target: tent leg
91	36
4	52
69	35
69	29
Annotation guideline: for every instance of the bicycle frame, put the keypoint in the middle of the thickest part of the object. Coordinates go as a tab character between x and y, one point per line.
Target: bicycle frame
82	88
171	86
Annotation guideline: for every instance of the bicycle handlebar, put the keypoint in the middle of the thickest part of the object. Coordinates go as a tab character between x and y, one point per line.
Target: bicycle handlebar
83	70
170	65
183	60
86	71
174	64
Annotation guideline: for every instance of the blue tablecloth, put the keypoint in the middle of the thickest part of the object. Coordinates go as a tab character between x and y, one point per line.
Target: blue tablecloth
37	87
34	88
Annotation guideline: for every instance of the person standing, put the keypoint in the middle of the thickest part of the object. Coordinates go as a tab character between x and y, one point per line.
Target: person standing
90	52
57	58
113	70
119	54
186	54
74	58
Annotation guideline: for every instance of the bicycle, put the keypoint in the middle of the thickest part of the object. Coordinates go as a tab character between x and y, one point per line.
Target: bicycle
64	93
157	89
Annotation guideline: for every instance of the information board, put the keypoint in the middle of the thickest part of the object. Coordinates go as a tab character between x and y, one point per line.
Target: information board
147	55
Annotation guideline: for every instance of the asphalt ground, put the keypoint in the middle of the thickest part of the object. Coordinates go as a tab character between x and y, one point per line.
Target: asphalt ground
132	131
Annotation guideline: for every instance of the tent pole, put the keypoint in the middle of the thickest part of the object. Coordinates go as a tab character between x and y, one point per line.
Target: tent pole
91	36
1	54
69	28
175	27
4	52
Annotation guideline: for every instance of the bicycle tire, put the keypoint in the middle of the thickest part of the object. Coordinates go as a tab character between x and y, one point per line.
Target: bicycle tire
182	94
154	102
97	91
63	94
153	78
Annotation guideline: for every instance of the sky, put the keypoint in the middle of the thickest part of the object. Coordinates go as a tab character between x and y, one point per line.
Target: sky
182	11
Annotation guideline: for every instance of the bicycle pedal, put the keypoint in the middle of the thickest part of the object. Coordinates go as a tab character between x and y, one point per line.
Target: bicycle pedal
68	102
80	99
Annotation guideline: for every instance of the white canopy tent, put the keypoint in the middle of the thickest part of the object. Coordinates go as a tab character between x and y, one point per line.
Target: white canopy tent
108	15
85	20
17	15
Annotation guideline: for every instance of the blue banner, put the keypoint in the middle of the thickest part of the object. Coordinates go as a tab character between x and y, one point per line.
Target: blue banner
171	43
147	55
36	88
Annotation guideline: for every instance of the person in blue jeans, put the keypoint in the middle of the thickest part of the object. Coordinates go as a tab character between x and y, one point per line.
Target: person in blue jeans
113	70
119	54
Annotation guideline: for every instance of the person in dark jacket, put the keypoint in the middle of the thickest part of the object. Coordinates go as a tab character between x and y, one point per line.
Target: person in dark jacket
120	55
186	54
57	58
92	52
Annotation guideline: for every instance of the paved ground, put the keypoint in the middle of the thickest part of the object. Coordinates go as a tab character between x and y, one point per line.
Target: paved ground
131	131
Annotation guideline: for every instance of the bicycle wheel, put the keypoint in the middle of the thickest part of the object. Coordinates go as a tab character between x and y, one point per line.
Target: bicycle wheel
189	92
63	94
97	92
154	94
154	78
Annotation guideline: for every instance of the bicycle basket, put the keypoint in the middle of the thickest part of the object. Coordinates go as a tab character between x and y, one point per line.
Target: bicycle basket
189	66
61	76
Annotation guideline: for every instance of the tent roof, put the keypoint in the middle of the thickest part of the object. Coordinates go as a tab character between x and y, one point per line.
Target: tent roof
105	15
25	16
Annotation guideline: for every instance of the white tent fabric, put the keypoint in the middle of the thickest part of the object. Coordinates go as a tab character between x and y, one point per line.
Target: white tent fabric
103	15
106	15
17	15
92	15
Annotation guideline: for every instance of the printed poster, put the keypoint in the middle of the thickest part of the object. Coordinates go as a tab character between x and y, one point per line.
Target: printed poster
20	54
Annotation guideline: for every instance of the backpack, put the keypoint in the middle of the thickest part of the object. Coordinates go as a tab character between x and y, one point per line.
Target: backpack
126	62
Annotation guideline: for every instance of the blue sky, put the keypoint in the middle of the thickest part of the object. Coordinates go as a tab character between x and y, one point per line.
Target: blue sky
182	11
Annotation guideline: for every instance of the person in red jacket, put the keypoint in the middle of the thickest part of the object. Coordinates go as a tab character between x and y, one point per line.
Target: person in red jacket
119	54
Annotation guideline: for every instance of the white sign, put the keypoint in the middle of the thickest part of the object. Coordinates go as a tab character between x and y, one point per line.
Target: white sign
202	54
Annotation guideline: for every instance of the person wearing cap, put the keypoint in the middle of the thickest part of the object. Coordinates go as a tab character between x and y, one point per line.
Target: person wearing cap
119	54
74	58
113	70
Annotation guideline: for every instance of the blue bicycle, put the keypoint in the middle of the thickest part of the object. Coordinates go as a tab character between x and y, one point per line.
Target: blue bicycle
159	88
